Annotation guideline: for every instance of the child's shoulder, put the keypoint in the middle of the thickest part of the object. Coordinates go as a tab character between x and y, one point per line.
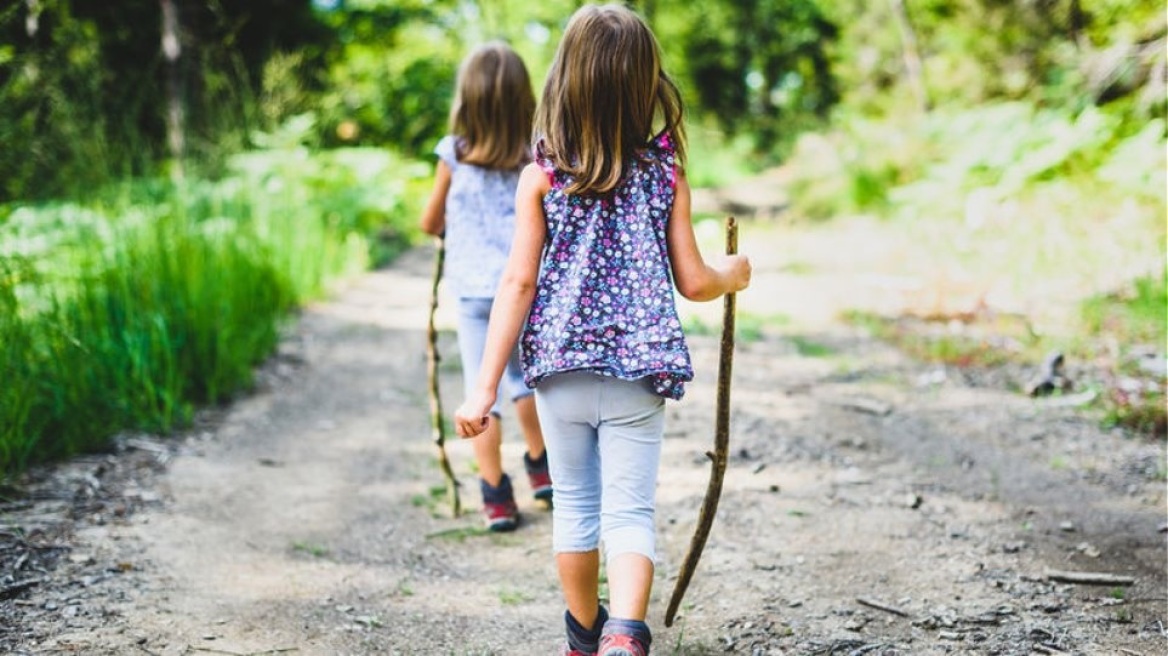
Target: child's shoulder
536	177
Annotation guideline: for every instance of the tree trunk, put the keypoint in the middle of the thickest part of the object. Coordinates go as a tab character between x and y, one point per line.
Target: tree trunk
1077	22
32	22
913	67
175	112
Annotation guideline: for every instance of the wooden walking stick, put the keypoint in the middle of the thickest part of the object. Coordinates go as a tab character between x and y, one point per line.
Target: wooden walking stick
721	443
437	426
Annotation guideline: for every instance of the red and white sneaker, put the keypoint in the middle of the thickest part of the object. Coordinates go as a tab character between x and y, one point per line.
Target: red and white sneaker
616	644
499	509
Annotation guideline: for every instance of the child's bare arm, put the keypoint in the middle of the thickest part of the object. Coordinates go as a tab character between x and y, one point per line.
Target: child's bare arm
695	279
512	301
434	215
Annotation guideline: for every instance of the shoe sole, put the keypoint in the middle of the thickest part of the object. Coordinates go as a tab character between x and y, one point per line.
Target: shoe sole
503	525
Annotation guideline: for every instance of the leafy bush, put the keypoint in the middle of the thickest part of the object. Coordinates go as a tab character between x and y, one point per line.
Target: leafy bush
1135	315
940	164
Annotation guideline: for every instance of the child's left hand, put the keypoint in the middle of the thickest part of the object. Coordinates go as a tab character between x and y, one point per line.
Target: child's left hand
472	417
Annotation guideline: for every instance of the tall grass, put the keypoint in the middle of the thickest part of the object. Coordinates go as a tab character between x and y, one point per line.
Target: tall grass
131	313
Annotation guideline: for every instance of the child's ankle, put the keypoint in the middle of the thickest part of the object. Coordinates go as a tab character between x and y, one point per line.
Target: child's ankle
585	639
499	492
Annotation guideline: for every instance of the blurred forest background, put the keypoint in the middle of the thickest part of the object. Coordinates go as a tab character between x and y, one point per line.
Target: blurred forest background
177	176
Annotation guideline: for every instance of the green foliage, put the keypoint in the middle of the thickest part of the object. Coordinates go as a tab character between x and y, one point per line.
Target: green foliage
716	159
949	162
391	78
84	88
760	67
1059	54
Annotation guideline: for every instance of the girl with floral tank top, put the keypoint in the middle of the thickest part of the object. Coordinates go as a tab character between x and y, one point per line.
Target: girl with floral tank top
603	235
473	207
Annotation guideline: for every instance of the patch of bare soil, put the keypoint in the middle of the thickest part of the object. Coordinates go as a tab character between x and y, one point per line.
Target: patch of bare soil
873	505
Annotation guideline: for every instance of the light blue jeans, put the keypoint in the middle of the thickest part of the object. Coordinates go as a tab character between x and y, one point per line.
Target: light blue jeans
473	314
603	438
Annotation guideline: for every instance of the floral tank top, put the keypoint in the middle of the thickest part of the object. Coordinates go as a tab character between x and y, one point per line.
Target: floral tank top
604	297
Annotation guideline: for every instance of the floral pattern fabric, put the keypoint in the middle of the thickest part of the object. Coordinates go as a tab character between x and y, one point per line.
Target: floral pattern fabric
604	298
480	221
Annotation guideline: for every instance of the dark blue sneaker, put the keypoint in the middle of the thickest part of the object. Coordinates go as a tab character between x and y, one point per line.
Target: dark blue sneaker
538	476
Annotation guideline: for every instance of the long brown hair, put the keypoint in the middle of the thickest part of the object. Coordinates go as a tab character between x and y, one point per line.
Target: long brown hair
493	108
605	88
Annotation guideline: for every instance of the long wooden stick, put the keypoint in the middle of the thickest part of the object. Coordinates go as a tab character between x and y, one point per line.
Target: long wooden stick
721	451
437	426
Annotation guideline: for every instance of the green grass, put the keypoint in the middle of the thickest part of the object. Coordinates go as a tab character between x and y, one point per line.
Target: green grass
436	495
459	533
1134	318
809	348
1111	328
514	597
930	346
748	327
311	549
1135	315
156	299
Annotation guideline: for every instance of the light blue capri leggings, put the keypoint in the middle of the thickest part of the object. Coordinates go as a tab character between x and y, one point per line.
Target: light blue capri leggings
603	438
473	314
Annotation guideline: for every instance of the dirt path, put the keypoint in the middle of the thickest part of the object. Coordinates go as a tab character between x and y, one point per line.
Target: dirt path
303	520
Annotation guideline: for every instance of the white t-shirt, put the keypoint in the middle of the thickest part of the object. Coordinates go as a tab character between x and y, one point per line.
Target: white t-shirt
480	222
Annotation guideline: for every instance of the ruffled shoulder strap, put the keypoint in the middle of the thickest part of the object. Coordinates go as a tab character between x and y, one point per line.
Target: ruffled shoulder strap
666	153
447	150
555	176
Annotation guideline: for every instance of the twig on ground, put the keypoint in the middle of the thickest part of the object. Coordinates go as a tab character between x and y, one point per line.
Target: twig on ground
879	606
275	650
862	404
1089	578
866	648
21	586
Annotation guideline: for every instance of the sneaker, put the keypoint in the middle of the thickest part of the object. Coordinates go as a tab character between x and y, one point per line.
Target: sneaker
499	507
568	651
538	476
616	644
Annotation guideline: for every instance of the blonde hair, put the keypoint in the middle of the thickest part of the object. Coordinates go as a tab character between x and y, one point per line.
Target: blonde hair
493	108
604	91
